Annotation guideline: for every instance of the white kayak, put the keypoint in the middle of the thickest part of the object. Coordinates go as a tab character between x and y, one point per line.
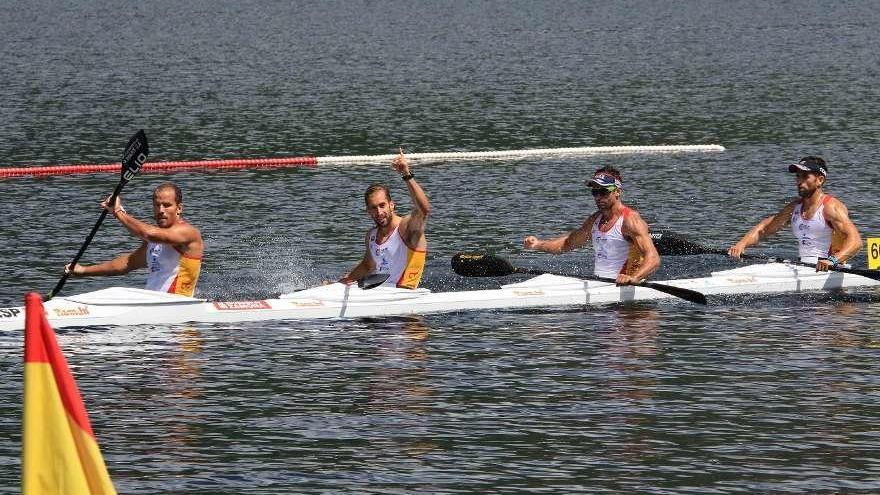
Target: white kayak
126	306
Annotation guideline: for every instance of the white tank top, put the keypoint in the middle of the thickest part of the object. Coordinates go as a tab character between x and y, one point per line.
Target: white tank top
612	249
403	264
814	235
170	270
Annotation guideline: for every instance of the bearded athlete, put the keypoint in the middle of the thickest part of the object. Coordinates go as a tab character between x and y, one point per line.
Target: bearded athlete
820	222
397	244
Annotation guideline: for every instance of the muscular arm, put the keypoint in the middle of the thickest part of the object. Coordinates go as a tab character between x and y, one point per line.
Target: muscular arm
117	266
636	231
564	243
766	227
837	216
414	223
180	234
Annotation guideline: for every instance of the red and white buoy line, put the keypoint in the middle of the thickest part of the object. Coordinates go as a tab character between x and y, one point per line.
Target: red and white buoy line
255	163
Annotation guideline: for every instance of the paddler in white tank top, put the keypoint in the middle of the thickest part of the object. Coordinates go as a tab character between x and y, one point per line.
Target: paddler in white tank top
396	245
623	247
172	249
820	222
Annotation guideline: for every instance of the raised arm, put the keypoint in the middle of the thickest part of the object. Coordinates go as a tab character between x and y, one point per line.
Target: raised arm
414	223
765	228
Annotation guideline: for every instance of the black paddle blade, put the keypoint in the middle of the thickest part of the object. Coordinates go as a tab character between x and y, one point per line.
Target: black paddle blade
872	274
686	294
372	280
135	155
669	244
133	158
481	265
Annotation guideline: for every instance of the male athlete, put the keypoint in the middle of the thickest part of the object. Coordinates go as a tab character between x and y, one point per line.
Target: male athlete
397	244
172	249
623	246
826	236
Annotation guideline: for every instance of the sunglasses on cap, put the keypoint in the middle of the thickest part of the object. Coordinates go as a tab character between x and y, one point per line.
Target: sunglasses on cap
604	179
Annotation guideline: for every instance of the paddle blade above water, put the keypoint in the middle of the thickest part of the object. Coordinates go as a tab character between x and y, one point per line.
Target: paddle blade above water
669	244
134	156
481	265
372	280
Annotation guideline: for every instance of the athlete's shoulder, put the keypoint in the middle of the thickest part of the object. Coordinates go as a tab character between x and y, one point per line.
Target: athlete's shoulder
631	214
633	222
832	206
191	233
629	210
831	199
182	223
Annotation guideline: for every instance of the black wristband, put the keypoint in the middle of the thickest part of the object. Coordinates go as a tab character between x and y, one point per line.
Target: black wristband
408	176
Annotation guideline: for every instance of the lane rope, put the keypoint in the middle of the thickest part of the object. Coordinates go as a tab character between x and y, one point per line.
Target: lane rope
257	163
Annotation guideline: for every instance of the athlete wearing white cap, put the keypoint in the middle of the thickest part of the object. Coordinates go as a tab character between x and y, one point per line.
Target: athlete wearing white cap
623	247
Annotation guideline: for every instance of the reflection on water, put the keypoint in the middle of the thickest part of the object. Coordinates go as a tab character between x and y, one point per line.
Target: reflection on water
401	384
636	332
183	372
182	386
631	349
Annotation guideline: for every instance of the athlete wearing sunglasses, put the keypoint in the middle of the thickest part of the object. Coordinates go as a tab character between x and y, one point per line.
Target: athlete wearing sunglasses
621	241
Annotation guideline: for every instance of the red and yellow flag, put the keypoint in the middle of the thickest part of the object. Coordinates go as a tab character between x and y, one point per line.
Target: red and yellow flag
59	451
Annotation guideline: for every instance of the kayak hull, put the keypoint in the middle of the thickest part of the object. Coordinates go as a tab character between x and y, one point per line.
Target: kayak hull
127	306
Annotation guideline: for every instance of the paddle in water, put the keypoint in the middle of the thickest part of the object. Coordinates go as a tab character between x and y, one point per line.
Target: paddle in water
669	244
133	158
490	265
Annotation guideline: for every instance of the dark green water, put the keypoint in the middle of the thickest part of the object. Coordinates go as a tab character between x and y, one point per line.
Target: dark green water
747	395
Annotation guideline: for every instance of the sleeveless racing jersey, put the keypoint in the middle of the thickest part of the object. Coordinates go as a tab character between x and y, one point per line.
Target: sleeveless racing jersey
170	270
404	264
816	239
614	254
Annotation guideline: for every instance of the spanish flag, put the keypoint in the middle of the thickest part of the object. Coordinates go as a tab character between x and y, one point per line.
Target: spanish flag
59	450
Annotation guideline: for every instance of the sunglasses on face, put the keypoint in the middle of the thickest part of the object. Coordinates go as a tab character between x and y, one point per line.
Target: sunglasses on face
601	191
